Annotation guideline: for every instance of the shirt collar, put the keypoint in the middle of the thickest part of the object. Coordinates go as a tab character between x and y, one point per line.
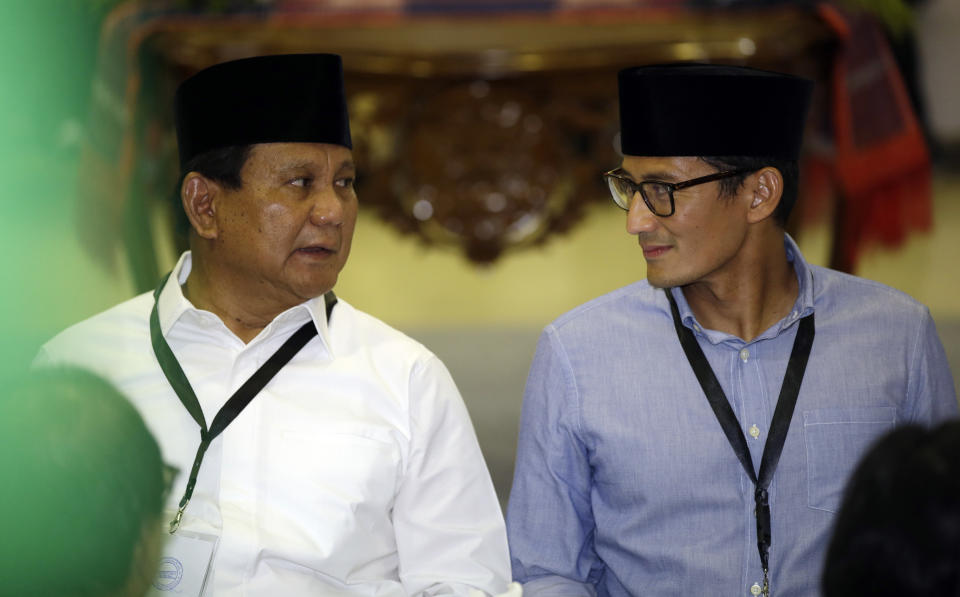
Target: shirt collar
802	307
804	304
172	305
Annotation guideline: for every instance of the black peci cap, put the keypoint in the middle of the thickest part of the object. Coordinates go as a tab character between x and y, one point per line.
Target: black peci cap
266	99
711	110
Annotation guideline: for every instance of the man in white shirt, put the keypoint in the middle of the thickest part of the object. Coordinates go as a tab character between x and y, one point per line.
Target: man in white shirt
347	464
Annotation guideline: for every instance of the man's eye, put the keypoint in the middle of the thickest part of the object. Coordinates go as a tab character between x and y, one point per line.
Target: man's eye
346	183
661	190
301	181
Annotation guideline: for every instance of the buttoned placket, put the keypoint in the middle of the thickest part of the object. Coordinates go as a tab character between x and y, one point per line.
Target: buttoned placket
230	473
243	442
757	405
753	406
752	403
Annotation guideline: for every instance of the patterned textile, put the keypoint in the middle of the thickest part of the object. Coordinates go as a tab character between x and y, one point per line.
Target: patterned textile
880	163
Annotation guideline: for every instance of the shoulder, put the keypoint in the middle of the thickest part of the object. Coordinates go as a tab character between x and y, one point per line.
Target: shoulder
354	331
638	303
389	361
837	294
112	330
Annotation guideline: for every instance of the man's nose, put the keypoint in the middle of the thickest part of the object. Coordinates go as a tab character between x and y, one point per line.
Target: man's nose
327	209
639	217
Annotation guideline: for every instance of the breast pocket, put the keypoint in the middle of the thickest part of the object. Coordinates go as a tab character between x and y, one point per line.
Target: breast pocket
345	468
835	440
329	495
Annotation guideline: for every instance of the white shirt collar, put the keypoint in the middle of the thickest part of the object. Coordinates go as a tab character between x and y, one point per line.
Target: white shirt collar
172	305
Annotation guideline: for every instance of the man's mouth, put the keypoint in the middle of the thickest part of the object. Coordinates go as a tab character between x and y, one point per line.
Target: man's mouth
654	251
318	250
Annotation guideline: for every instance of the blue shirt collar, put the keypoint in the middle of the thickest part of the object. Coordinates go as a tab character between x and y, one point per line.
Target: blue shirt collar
802	307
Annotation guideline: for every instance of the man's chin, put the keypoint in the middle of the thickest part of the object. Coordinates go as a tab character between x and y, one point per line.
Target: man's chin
311	283
315	291
309	290
659	280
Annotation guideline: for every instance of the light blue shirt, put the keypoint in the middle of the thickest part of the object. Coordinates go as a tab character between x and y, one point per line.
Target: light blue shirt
625	483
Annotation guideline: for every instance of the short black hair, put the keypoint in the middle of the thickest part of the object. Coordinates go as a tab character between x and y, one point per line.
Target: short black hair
789	170
222	165
897	533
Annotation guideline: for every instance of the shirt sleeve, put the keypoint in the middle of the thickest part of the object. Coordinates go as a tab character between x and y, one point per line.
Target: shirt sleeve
449	528
930	386
549	519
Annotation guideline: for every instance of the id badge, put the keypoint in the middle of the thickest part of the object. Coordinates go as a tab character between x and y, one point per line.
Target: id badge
185	566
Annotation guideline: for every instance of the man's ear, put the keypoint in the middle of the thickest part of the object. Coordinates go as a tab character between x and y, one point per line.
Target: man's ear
767	191
199	196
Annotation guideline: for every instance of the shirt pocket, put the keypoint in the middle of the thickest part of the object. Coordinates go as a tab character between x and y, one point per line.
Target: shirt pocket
330	497
835	440
346	468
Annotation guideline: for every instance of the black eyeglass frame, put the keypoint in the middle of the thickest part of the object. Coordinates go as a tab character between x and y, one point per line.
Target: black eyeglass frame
636	187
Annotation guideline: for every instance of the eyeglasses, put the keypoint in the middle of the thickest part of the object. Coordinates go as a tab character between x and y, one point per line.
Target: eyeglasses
658	196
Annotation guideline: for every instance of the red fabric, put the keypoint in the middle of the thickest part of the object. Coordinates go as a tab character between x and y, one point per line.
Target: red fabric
881	162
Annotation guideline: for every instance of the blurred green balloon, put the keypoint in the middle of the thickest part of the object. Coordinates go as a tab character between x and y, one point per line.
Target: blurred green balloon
47	57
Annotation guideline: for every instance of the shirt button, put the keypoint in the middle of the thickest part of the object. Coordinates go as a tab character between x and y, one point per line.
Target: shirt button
755	589
754	431
744	354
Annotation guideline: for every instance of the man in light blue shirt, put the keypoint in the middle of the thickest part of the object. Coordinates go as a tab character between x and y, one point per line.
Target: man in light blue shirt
638	475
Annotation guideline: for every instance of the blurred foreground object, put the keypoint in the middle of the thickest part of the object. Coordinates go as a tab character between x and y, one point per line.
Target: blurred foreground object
898	530
81	492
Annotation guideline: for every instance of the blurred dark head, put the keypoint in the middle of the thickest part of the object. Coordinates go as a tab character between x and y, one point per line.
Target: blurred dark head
898	530
82	489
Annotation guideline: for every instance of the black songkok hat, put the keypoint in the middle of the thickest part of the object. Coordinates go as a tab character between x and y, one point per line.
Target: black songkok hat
711	110
267	99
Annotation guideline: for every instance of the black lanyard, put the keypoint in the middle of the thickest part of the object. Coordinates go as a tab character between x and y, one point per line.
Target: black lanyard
240	399
731	427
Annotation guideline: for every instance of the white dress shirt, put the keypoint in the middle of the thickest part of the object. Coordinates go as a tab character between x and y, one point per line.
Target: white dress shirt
355	471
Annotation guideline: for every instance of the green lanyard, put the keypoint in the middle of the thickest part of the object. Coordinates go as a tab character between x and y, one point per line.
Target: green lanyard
240	399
